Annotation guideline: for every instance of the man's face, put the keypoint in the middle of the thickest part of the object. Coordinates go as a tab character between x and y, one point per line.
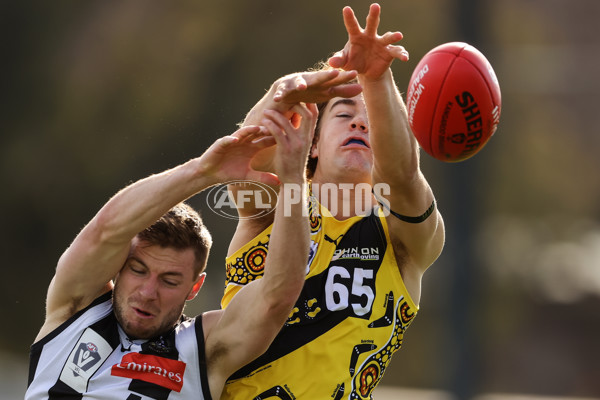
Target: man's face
152	288
343	146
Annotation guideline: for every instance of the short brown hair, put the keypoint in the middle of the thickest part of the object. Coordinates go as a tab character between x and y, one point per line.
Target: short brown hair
181	228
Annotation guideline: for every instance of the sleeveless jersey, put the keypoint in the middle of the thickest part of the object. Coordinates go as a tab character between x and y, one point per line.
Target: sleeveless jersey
348	321
89	356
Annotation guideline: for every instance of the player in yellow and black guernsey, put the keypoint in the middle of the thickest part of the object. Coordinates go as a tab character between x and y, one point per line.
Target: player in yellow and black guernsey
375	229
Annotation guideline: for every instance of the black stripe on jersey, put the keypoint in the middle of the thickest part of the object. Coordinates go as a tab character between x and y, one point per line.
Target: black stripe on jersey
368	233
202	358
35	351
107	328
61	391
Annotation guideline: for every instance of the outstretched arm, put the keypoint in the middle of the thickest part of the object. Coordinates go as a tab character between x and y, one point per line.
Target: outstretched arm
395	149
260	309
86	268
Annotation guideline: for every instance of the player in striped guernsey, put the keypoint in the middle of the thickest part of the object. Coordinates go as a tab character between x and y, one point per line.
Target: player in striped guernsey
129	339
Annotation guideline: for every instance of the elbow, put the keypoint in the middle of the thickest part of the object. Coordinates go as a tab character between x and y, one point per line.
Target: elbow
103	228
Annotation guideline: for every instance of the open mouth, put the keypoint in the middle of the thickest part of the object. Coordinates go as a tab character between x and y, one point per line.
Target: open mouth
142	312
358	141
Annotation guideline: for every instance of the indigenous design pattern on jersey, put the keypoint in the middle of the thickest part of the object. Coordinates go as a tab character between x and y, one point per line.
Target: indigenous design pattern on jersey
354	308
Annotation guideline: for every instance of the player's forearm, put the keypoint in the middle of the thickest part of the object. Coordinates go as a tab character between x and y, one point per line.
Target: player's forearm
394	146
140	204
99	250
288	247
263	160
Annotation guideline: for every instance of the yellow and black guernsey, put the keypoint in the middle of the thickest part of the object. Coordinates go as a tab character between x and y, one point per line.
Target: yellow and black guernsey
348	321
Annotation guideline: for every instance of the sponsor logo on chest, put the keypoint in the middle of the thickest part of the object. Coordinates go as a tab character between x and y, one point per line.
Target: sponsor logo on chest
149	368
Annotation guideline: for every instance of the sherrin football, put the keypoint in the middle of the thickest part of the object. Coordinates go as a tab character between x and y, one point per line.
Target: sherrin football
453	102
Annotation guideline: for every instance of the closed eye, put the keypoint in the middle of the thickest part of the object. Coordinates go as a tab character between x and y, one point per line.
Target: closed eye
137	270
171	283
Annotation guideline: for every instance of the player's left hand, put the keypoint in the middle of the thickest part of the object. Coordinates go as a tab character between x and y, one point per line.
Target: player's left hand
367	52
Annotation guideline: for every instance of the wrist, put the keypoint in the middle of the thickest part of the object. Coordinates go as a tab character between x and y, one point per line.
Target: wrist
202	174
383	78
292	197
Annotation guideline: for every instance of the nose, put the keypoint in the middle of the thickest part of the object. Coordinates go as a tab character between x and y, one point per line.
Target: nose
359	123
149	289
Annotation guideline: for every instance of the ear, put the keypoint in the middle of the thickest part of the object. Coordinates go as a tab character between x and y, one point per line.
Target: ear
197	286
314	150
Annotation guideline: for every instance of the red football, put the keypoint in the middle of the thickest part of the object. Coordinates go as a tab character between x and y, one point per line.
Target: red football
453	102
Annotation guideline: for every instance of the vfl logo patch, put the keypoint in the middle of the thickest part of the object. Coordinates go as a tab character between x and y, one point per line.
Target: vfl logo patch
148	368
86	357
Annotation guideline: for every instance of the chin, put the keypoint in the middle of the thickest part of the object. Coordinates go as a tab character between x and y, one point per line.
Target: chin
358	172
136	331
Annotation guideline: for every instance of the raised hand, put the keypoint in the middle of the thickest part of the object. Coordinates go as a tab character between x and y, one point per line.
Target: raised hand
293	141
367	52
229	157
315	86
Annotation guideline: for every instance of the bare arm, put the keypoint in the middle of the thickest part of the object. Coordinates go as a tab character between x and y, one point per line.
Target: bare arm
395	149
260	309
86	268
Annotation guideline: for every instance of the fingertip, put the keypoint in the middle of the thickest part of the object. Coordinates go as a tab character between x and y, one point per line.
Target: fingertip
267	178
348	12
227	140
275	180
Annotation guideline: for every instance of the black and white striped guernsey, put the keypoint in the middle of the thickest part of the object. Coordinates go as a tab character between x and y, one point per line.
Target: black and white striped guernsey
89	356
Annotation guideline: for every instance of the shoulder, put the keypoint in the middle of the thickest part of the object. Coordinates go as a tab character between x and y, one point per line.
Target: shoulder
60	319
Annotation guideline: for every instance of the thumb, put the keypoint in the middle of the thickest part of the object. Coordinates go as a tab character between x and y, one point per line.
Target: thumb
267	178
337	60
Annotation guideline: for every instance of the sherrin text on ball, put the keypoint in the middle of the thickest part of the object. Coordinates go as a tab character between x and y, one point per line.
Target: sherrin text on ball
453	102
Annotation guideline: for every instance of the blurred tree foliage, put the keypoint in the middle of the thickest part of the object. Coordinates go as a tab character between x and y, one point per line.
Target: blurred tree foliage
98	94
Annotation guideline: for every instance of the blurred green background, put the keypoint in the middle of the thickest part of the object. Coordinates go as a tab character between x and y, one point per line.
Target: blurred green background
98	94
